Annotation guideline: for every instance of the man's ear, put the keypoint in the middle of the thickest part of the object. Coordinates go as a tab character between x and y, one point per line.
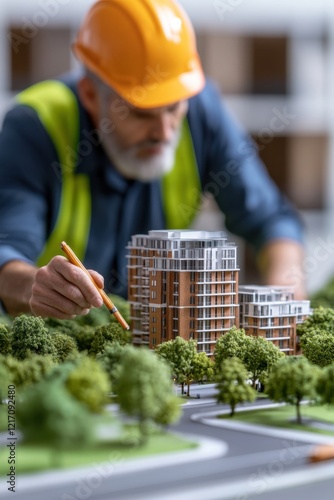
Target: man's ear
89	97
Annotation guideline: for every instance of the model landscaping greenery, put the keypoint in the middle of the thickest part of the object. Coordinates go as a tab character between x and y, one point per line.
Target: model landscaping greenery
66	371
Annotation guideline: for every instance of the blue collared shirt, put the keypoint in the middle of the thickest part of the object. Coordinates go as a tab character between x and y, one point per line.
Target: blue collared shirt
229	168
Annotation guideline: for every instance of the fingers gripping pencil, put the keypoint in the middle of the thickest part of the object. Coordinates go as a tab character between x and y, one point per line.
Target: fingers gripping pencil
109	304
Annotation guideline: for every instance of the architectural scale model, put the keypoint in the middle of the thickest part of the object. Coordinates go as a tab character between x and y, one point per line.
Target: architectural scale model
184	282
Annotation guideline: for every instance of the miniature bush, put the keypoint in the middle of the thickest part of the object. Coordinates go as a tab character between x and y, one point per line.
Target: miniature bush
5	340
318	347
107	334
84	336
27	371
31	336
48	414
88	383
65	345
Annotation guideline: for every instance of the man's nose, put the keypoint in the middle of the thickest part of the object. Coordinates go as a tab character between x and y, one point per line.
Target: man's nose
163	128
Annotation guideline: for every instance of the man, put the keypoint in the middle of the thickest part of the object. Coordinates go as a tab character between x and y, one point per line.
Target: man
126	147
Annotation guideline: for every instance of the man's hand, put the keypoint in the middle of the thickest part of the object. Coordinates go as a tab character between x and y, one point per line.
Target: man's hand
62	290
280	263
59	289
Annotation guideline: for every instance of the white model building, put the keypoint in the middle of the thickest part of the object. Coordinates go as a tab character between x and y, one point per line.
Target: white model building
271	312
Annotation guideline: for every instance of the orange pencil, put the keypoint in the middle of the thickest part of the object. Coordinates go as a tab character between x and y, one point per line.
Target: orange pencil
112	308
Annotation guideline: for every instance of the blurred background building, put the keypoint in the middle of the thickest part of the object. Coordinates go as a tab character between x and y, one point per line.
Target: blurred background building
272	60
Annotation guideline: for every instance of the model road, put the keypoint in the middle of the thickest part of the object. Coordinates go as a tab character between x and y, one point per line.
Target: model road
252	461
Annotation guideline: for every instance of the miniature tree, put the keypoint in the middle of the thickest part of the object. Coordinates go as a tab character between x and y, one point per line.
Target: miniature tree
232	384
49	415
31	336
260	356
144	387
291	380
232	344
318	347
170	411
110	360
180	355
65	346
325	385
5	340
5	380
88	383
33	369
84	336
105	335
321	319
204	367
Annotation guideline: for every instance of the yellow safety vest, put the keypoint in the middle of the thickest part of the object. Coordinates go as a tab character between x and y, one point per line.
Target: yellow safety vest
58	109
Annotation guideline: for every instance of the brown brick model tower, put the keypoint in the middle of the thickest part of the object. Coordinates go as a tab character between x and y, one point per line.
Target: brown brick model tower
182	283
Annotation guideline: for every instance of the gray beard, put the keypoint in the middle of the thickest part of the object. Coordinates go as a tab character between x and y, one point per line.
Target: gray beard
144	170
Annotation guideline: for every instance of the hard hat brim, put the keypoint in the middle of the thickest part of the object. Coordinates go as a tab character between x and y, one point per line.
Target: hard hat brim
155	91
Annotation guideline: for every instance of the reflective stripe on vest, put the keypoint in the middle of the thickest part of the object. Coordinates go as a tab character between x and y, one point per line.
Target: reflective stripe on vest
57	108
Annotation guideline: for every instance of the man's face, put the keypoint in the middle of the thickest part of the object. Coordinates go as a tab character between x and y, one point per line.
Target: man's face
143	141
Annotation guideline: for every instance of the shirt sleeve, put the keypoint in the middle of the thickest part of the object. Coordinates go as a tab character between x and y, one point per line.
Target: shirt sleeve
232	172
28	183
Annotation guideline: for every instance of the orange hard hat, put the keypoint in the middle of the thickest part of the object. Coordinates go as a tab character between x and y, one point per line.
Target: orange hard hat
144	49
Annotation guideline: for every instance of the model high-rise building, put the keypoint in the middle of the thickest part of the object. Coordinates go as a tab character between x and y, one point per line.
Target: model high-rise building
182	283
185	283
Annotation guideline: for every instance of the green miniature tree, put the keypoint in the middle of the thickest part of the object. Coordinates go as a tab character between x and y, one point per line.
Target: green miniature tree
105	335
111	360
29	370
291	380
30	336
84	336
325	385
260	356
170	412
81	333
47	414
180	355
65	346
88	382
321	319
318	347
5	380
232	344
232	384
34	368
204	368
144	387
5	340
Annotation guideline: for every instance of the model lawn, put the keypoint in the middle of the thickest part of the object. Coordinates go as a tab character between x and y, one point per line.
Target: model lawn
64	374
